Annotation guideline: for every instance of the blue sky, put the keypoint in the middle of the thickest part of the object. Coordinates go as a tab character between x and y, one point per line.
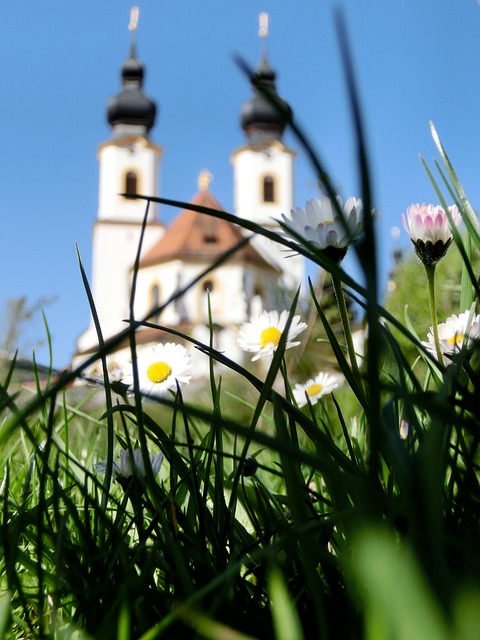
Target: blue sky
416	61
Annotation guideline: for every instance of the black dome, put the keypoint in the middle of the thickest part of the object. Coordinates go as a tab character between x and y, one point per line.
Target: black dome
133	70
260	116
131	105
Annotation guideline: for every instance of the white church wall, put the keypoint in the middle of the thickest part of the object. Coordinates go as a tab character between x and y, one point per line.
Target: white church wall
251	165
165	277
114	250
225	286
116	160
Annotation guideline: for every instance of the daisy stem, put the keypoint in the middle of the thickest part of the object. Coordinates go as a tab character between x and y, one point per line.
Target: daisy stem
347	331
430	272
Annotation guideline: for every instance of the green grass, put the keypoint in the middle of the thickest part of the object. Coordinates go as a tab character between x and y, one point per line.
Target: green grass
264	521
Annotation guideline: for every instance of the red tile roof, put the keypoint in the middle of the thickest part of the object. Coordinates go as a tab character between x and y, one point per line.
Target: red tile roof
195	236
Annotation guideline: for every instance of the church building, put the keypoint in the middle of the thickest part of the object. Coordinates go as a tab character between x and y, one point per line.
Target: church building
254	278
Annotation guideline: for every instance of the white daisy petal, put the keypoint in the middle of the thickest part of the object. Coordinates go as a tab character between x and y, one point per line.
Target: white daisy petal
262	333
160	369
315	388
320	224
127	466
455	334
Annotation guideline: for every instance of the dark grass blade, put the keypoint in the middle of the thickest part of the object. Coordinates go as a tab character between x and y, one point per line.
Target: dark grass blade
106	382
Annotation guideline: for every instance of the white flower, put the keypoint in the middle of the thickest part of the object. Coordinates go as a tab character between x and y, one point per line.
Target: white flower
427	222
404	429
314	389
429	229
455	334
126	467
159	369
320	224
262	334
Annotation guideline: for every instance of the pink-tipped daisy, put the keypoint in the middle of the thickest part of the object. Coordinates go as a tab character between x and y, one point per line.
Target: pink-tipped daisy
430	231
262	333
315	388
160	369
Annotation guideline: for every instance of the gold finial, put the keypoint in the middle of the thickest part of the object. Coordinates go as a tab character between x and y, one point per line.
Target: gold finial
204	180
263	25
133	24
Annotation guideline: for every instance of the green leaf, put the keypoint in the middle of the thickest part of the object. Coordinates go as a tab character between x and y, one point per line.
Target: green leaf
285	617
4	613
398	601
470	219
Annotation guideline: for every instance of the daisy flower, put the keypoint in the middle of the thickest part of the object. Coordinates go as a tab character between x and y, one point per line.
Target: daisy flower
320	224
159	369
404	429
315	389
429	229
128	465
455	334
262	334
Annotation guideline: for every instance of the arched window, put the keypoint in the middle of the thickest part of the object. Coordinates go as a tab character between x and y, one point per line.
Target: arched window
131	182
207	286
268	189
155	302
208	296
256	303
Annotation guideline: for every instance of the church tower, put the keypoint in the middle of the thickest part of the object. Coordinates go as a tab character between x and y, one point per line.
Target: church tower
174	257
129	163
263	168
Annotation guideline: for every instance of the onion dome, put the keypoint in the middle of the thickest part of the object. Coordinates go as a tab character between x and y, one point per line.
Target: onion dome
131	106
266	115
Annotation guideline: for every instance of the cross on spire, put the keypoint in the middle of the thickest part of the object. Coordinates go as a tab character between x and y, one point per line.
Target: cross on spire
133	26
263	25
263	32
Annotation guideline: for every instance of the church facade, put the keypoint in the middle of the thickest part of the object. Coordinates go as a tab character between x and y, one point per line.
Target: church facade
254	278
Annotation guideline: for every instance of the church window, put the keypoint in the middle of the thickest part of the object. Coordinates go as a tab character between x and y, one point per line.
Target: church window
210	231
268	189
208	297
256	303
210	238
207	286
131	182
155	302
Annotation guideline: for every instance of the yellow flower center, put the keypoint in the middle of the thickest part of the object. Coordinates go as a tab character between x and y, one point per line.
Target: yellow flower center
456	339
271	335
314	389
158	372
327	222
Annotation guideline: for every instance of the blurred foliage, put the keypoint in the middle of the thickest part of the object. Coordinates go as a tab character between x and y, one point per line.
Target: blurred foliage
19	325
315	353
407	293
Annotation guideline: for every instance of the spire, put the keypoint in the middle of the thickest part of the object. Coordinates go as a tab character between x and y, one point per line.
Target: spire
131	112
264	71
263	118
